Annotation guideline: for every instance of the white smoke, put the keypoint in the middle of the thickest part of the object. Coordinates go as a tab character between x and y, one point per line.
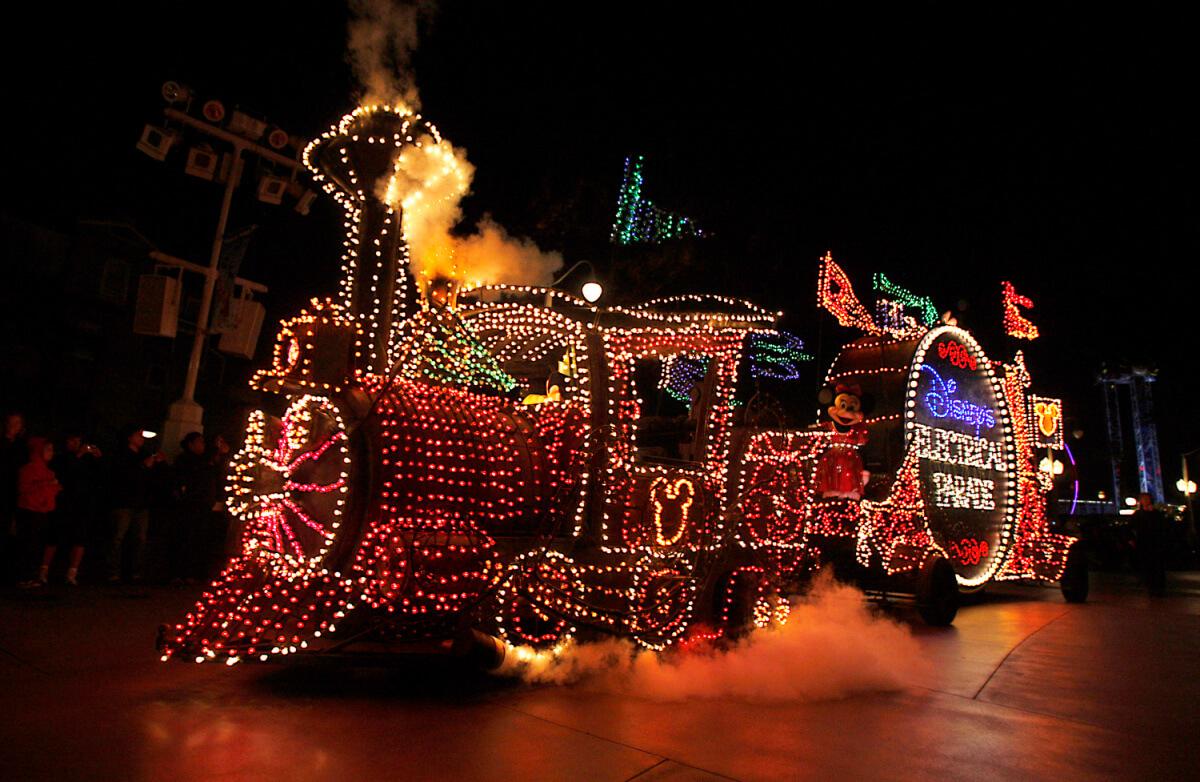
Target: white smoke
832	646
432	179
428	186
491	255
383	35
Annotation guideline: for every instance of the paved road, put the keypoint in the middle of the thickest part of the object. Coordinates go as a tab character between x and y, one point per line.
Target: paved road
1023	686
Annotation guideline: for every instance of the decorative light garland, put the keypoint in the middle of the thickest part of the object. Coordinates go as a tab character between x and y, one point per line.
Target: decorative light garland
638	220
836	295
777	355
1016	324
924	304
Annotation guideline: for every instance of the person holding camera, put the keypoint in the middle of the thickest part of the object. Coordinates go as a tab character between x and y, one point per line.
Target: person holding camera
78	469
134	472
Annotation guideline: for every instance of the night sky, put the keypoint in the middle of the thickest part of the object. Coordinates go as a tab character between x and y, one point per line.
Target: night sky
951	147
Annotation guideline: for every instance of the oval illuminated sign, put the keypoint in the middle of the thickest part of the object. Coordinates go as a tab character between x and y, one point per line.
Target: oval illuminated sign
958	428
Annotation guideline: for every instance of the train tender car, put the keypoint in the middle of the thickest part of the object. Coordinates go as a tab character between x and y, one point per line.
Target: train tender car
957	493
503	467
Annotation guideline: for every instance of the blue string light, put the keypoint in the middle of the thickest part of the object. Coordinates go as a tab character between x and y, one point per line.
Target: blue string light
776	356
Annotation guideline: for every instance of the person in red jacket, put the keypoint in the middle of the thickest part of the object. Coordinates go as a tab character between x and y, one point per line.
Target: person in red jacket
37	488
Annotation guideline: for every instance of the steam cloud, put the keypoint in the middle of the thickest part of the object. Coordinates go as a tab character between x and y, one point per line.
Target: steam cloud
832	646
492	255
431	179
383	35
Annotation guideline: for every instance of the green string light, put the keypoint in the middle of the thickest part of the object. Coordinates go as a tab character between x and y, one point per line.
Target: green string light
924	304
445	351
776	356
638	220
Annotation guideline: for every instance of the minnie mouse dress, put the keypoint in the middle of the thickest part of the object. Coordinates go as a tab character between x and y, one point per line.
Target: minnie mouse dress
840	468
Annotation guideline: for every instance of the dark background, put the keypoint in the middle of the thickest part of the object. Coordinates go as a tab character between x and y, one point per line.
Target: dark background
949	146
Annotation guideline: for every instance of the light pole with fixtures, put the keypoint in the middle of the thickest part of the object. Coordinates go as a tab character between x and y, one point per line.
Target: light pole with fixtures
185	414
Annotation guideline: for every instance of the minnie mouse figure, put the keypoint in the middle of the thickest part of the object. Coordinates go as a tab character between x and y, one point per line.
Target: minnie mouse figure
840	472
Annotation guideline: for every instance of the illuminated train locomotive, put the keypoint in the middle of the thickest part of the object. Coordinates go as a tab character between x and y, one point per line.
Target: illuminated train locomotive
420	493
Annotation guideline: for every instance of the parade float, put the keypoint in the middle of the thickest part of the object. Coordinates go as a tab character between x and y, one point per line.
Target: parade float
475	468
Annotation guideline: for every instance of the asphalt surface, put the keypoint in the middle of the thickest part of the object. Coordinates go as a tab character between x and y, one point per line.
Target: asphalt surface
1024	686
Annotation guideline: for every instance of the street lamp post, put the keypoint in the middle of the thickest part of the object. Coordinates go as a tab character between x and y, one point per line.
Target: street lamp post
592	290
1188	488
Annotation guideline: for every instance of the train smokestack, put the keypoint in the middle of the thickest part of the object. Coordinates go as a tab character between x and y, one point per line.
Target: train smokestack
356	162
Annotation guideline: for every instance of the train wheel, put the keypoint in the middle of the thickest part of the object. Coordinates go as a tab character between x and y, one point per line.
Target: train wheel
744	599
290	482
1074	582
937	592
665	606
522	622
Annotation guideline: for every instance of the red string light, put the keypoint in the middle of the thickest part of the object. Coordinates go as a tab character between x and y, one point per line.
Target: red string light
1016	324
836	295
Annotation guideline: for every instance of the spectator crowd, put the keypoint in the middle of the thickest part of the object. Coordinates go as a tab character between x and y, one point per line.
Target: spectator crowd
72	512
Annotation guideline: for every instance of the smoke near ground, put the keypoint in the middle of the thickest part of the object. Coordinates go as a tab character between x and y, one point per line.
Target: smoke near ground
431	179
833	646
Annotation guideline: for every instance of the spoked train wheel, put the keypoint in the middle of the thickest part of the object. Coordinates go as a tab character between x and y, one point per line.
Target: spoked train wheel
664	609
290	485
525	623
